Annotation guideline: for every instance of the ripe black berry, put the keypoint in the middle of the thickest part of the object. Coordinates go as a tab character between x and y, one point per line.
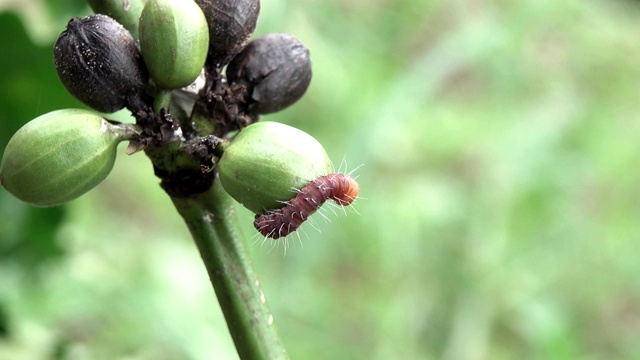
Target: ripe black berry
276	70
100	64
231	24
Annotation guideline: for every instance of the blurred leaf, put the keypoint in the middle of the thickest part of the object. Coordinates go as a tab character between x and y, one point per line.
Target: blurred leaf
30	88
30	85
64	9
4	321
28	238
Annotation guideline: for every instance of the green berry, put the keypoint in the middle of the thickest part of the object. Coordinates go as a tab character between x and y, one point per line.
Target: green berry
174	39
59	156
126	12
264	165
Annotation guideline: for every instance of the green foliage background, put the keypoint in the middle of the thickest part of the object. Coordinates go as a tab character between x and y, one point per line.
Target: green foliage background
496	144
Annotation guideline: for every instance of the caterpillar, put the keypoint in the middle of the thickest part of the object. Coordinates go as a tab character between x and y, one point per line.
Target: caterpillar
279	223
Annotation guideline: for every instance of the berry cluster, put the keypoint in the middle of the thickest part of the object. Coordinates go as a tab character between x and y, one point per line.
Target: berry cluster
196	85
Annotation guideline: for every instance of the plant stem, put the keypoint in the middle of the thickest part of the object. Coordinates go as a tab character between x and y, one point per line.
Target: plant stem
162	99
201	123
212	221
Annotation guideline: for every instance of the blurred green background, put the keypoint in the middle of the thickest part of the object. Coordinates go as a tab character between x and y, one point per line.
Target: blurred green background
496	144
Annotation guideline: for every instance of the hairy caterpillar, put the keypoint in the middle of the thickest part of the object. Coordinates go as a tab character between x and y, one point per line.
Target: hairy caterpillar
278	223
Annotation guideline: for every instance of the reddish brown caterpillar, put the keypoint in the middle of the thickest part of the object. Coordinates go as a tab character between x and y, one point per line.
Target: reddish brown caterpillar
278	223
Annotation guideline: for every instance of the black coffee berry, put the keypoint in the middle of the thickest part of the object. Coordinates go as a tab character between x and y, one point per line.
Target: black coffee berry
100	64
275	68
231	24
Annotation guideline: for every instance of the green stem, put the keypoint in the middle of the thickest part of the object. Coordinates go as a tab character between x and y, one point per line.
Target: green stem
126	131
201	123
212	221
161	99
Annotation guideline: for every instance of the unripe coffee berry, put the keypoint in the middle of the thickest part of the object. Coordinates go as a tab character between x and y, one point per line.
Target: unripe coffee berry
59	156
126	12
276	70
174	39
265	164
100	64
